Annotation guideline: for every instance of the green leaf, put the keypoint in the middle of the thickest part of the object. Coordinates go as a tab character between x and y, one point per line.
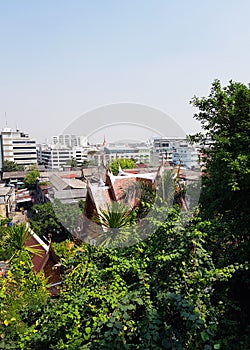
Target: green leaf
87	330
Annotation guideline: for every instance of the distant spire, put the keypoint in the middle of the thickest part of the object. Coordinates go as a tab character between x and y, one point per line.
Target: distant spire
104	141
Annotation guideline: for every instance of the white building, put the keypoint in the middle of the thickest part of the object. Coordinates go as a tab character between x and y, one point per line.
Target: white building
185	154
18	147
56	157
69	140
138	152
176	150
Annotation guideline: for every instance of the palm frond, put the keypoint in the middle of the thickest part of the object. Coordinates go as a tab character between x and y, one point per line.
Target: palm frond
19	236
115	215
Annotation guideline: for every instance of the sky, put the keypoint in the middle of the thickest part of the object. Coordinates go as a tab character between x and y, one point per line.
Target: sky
60	59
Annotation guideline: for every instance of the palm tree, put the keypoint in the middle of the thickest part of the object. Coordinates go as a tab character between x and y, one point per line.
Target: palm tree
115	219
18	237
115	215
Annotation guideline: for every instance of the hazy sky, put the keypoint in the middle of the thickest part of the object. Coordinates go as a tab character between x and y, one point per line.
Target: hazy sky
60	59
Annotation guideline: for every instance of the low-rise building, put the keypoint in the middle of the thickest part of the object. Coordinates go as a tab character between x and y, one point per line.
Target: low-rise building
140	153
68	189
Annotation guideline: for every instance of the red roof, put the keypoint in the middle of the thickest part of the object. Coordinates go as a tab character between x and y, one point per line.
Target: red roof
69	176
130	171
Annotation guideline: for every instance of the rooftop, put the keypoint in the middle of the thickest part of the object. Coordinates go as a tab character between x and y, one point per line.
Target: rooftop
4	191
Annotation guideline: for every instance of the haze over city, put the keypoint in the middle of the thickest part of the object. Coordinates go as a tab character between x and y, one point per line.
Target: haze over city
62	59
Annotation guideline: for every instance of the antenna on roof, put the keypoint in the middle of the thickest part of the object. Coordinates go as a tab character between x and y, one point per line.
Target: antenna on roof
6	124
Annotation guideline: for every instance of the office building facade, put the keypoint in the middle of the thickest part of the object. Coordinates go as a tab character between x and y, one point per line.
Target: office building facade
18	147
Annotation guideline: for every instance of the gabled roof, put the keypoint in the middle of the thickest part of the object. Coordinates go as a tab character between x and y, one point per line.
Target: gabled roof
46	260
69	194
62	183
40	259
58	183
14	175
100	196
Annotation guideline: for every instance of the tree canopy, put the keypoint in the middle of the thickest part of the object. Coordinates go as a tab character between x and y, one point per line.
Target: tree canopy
125	163
225	119
31	178
225	195
11	166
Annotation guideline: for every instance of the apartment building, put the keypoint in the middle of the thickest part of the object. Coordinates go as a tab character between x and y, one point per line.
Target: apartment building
186	154
176	150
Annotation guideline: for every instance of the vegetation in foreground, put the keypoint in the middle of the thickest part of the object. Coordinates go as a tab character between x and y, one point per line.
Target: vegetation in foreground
185	287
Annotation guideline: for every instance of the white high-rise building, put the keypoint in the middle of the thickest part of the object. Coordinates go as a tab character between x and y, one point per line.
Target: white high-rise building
16	146
69	140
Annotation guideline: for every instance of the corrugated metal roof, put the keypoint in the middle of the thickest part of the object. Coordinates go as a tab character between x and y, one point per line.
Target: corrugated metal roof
71	194
58	183
14	175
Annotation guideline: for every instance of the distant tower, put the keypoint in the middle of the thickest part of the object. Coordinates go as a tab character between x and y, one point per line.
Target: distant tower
104	142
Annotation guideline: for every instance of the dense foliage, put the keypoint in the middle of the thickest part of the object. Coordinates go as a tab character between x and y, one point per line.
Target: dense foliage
9	165
225	118
31	178
153	295
225	197
59	220
124	164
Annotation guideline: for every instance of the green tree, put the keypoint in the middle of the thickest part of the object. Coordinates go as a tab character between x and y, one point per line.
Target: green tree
153	295
115	218
225	199
31	178
123	162
13	240
115	215
44	222
12	166
225	118
61	220
23	295
72	162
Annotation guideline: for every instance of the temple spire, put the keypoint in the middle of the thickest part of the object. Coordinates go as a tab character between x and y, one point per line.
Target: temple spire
104	141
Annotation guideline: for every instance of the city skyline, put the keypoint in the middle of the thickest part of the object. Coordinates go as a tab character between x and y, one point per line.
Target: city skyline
100	136
61	60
